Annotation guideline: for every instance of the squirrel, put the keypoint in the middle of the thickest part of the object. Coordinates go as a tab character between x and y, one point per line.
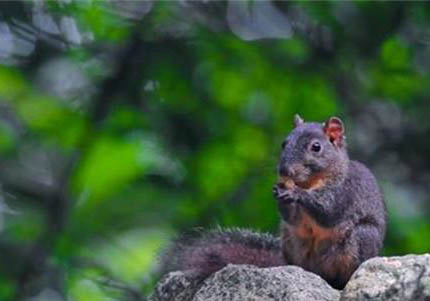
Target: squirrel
333	214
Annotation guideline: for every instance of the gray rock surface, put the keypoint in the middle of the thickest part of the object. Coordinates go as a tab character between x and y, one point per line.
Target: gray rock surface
403	278
244	282
289	283
175	286
391	278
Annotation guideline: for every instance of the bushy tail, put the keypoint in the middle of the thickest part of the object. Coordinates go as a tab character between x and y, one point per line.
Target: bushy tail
211	251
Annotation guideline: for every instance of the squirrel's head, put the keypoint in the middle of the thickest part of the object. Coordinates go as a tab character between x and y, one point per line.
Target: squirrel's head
314	154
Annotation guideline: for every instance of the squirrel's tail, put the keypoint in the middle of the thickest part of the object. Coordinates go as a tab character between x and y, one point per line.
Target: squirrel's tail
211	251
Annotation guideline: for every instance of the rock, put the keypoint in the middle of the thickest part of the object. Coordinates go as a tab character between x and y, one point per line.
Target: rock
244	282
175	286
241	282
378	279
391	278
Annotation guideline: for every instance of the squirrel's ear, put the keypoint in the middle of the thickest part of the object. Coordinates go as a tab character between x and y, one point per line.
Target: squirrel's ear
298	120
334	130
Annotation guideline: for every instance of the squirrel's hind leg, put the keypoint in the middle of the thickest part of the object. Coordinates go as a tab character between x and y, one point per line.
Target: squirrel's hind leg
361	243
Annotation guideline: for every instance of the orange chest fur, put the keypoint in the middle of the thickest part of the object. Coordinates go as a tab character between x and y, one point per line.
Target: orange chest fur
309	231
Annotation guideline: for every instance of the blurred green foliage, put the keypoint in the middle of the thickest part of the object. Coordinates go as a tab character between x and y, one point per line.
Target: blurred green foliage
123	124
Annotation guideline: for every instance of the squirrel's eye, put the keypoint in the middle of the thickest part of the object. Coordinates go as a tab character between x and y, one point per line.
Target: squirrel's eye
316	147
283	144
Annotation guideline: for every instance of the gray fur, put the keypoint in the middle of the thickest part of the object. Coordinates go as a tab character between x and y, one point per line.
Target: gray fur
202	254
349	205
298	120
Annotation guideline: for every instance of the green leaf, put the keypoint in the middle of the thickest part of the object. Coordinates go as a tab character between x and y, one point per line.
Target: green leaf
7	138
12	84
86	290
131	255
395	54
108	167
52	119
7	288
96	17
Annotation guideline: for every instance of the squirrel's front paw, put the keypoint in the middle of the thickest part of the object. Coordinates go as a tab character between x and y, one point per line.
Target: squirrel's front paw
285	200
282	194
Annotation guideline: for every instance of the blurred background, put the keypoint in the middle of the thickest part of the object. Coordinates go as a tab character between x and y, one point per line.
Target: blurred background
124	123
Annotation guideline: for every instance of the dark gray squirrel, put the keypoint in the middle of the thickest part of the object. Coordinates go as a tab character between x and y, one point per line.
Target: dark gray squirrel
333	215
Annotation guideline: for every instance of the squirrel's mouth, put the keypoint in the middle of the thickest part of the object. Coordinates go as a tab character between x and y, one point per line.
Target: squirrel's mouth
305	176
314	181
